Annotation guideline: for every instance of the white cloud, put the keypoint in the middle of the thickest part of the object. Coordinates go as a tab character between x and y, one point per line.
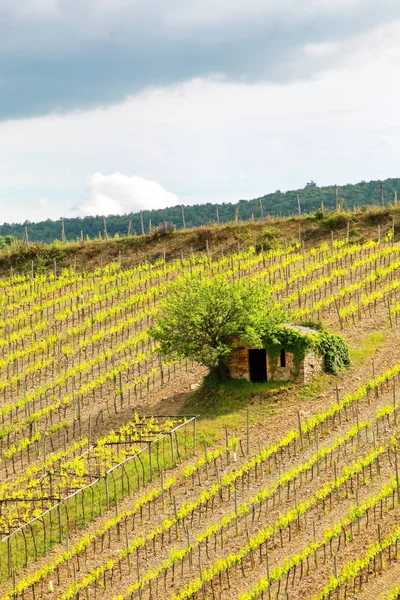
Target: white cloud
211	140
117	194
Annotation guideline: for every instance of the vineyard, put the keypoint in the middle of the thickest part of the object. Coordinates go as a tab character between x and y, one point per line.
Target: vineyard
105	495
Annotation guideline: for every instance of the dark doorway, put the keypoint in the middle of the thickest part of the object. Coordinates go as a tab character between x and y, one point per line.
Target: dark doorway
283	358
258	365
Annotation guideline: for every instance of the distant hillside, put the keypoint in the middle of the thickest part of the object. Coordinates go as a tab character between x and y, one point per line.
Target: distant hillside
276	204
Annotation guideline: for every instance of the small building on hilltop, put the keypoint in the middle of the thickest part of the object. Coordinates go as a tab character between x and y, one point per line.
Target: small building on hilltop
293	356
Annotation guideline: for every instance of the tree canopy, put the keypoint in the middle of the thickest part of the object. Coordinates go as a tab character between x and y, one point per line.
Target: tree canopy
203	319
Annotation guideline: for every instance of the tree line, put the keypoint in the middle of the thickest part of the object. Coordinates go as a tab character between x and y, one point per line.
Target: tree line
307	200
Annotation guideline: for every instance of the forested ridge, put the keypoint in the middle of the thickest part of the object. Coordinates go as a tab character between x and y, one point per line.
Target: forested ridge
275	204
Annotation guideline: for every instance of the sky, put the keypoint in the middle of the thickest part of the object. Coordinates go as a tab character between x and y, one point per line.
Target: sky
112	106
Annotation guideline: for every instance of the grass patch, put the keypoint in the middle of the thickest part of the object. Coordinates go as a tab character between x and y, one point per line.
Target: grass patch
221	405
367	348
313	388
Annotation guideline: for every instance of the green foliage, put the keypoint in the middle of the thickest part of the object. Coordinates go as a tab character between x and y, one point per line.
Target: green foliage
203	319
318	325
275	204
330	346
267	241
335	352
6	240
336	221
292	341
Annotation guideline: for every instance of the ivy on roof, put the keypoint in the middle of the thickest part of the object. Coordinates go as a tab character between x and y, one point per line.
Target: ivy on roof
300	341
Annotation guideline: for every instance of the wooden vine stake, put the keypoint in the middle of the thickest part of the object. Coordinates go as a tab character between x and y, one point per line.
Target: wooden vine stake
268	573
261	210
141	223
397	477
300	431
248	431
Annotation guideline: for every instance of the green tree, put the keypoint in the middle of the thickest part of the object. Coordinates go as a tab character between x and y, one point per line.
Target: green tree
6	240
204	319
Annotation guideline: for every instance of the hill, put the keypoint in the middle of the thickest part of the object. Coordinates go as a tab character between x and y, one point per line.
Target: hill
275	204
361	225
127	476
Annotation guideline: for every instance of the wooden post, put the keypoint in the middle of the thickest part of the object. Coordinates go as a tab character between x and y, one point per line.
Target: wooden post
26	236
237	214
62	231
105	228
337	198
121	393
248	431
395	197
129	227
268	574
183	217
217	214
162	488
300	431
348	230
397	477
298	205
141	223
81	235
382	198
261	210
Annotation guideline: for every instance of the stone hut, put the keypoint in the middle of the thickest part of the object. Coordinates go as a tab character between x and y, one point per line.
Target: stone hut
254	364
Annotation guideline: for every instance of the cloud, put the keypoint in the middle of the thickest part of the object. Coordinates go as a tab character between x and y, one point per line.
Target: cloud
118	194
62	55
215	140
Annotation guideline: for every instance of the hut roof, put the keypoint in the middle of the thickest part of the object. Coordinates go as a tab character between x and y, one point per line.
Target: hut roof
301	329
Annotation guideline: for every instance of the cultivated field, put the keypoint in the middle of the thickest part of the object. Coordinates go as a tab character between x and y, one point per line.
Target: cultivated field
104	496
